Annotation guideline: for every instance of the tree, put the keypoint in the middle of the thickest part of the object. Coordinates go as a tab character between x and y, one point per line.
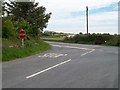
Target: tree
30	12
2	8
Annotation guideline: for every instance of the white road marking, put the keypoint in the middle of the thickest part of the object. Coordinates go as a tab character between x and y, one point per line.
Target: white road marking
91	50
60	55
30	76
71	47
47	55
87	52
53	55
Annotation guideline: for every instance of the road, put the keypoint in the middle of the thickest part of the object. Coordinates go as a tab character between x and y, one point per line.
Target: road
65	66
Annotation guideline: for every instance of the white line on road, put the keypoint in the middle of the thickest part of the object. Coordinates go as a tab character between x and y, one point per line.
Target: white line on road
60	55
53	55
88	52
91	50
71	47
30	76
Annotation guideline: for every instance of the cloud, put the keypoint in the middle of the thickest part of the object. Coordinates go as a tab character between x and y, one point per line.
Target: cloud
104	22
102	15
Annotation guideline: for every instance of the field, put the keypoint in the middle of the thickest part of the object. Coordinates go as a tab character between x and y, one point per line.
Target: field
55	39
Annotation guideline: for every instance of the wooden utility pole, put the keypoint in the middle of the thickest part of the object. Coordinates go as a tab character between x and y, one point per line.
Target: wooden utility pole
87	18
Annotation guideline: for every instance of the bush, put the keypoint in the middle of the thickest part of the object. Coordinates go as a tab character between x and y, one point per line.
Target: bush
8	29
11	28
113	40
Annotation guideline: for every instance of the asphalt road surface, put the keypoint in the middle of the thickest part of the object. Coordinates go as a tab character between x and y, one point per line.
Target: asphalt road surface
65	66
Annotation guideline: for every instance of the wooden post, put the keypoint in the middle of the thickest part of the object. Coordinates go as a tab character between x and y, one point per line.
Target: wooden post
22	42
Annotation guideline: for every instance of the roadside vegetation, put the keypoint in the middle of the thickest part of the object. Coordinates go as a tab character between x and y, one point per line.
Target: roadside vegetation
53	36
94	39
11	52
29	17
55	39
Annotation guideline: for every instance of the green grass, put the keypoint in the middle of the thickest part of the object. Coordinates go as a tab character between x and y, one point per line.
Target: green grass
32	47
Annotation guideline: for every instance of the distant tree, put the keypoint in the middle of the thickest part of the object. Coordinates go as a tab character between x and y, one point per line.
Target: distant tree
3	8
81	33
30	12
48	33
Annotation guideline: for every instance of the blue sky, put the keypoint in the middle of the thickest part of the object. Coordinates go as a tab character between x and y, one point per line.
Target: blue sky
110	8
69	16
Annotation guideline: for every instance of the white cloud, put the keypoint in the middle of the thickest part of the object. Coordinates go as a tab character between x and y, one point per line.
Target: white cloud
70	5
62	21
104	22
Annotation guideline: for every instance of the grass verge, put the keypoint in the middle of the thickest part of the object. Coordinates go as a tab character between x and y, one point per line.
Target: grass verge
9	54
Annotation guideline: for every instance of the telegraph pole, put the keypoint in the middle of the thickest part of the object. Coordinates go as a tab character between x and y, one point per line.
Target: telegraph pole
87	18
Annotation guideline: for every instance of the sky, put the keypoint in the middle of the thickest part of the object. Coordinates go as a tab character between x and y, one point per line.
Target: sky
69	16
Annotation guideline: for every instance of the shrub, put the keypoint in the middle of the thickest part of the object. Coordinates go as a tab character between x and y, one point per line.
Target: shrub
113	40
8	29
